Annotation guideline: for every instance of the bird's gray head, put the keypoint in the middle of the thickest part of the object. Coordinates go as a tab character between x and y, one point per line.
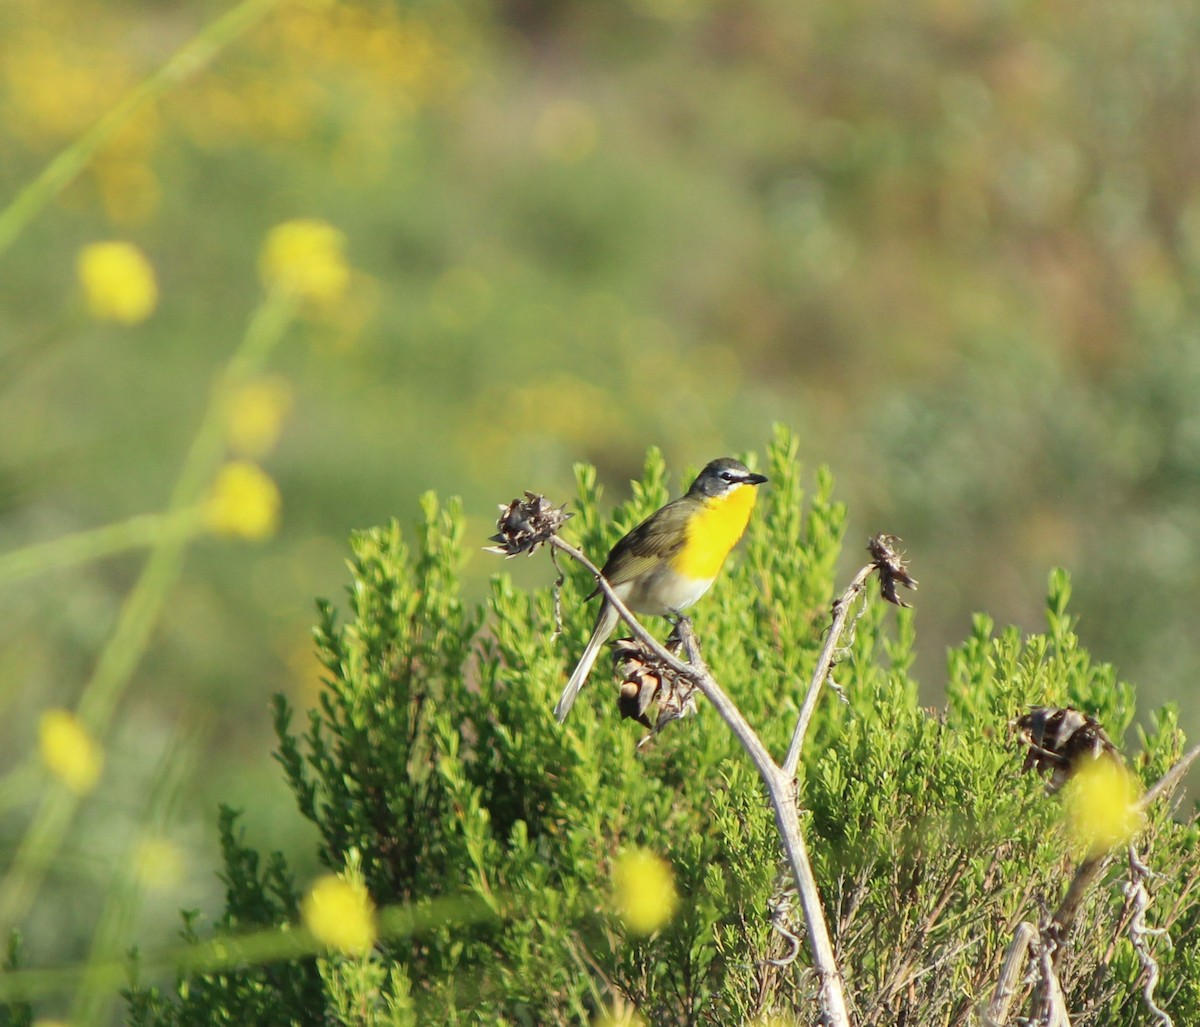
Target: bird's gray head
722	475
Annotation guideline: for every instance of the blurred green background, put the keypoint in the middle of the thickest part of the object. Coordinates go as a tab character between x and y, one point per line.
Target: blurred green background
955	243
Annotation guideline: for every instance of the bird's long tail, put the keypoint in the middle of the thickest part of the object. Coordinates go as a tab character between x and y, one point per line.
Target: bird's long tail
604	627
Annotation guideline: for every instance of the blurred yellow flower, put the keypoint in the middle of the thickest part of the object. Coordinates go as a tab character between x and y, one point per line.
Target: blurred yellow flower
1101	805
620	1016
55	86
158	863
243	502
340	915
645	890
306	258
69	752
255	416
118	282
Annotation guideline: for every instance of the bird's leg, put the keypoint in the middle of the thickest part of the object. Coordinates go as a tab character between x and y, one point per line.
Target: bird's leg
676	619
684	634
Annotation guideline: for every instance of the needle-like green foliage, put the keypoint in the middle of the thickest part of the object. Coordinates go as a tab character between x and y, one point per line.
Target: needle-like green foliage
433	758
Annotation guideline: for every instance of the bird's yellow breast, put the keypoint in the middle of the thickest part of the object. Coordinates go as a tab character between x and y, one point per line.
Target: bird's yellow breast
712	531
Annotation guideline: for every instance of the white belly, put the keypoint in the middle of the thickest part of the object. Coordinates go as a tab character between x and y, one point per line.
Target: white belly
662	593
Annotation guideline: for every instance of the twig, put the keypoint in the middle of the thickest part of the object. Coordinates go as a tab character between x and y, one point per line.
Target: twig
841	613
1016	958
902	974
887	559
1054	1008
558	584
1135	890
780	909
780	789
787	818
1170	779
1085	876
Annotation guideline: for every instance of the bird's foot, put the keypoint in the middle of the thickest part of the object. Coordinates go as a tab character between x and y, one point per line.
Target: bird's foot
684	636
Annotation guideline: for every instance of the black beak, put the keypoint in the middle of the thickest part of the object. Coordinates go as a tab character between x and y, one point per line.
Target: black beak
755	479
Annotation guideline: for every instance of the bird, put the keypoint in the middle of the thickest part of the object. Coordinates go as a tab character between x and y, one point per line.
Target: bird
669	560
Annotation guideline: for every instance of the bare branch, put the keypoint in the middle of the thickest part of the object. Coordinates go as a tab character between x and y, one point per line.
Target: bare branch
780	913
841	612
1135	890
886	559
780	787
1168	782
1085	876
558	585
787	818
1016	958
1053	1010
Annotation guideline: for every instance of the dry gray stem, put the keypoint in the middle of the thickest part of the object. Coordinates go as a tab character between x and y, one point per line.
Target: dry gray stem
1012	970
780	787
1054	1003
1168	782
1135	890
841	613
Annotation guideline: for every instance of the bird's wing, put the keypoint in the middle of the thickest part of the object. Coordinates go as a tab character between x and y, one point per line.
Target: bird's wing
659	537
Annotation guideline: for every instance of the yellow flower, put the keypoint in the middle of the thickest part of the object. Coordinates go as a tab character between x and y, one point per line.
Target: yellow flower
256	414
645	891
243	502
158	863
68	751
340	915
1101	805
118	282
307	258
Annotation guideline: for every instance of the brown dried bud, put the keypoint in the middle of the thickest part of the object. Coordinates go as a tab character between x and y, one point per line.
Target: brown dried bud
892	567
525	524
1059	739
647	681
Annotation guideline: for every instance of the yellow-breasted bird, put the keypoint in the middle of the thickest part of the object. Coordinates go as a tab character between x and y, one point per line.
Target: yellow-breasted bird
669	560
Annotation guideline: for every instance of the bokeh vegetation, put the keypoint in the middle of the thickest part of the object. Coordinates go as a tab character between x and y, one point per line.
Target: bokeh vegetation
955	243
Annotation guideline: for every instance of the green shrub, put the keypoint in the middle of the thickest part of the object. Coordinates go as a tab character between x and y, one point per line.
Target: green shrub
433	763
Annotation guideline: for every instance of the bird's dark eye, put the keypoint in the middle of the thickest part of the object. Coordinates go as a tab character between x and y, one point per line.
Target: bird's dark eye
729	476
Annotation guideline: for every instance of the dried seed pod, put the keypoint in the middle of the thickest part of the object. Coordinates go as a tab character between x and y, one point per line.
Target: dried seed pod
892	567
1059	739
646	681
641	678
525	524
